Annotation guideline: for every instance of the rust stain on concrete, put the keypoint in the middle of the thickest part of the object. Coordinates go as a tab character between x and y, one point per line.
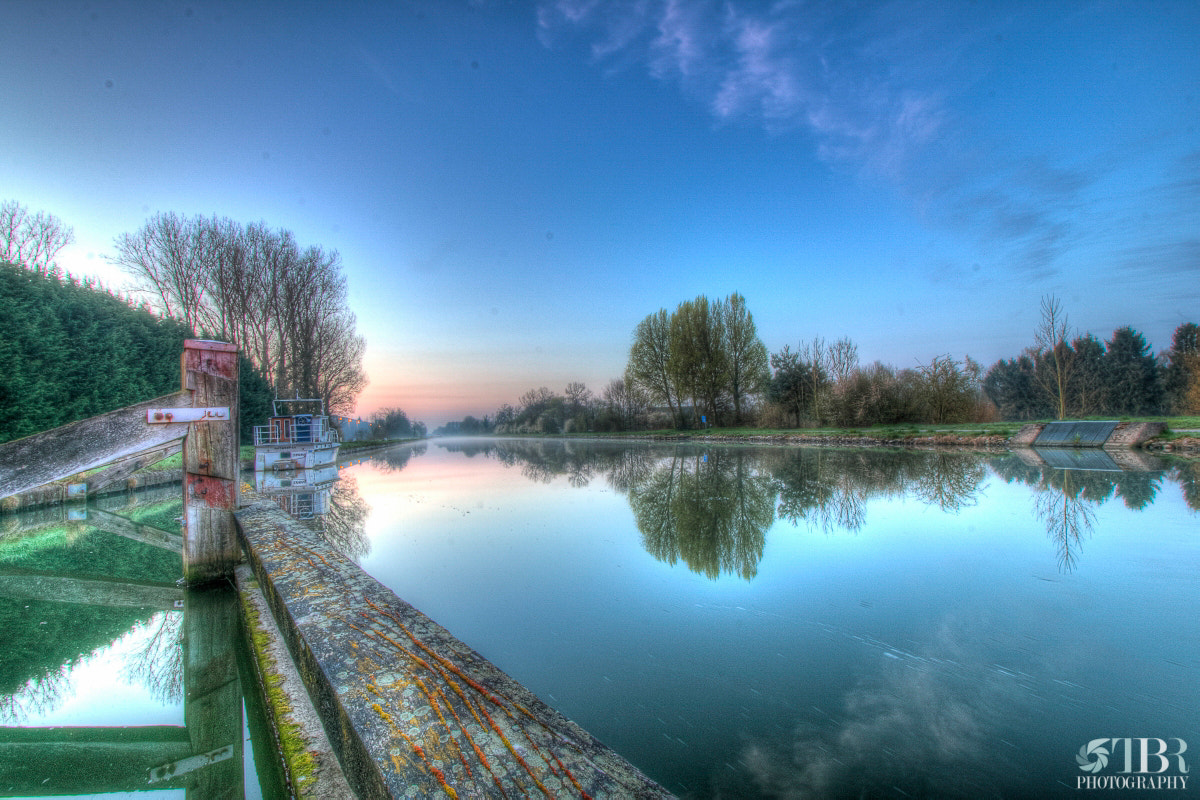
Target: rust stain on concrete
417	712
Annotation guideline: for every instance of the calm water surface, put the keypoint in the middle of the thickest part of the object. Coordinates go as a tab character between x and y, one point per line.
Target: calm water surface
783	622
108	670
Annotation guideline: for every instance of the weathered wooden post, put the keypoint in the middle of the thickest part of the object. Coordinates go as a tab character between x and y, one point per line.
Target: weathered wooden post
211	480
212	706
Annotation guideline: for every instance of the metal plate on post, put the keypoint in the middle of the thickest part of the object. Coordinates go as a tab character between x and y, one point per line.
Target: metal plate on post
165	415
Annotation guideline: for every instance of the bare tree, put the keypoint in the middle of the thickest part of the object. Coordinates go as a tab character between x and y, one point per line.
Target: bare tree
1052	335
816	353
627	402
579	403
31	240
284	307
166	259
338	363
842	358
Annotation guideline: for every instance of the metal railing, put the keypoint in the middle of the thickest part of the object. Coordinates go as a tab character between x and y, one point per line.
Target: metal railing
285	430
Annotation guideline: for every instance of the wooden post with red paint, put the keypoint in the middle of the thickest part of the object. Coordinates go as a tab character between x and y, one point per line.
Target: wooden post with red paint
211	479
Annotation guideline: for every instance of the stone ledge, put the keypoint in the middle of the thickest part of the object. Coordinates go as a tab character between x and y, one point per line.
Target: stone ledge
1025	436
312	770
410	710
1134	434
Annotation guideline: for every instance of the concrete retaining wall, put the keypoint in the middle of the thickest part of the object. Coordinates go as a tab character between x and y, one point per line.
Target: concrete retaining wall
1125	435
410	710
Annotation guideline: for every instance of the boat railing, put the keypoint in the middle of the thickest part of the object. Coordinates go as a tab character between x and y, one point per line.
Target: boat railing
295	430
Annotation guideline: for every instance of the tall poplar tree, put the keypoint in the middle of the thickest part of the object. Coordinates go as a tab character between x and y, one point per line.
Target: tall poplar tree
649	360
748	373
699	364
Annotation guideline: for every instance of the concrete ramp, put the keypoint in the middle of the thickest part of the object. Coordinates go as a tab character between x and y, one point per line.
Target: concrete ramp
1091	459
1090	433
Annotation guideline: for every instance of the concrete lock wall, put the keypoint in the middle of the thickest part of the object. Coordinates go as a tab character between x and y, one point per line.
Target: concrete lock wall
410	710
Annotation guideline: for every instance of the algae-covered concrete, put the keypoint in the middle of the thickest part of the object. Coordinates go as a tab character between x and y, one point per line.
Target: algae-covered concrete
410	710
310	767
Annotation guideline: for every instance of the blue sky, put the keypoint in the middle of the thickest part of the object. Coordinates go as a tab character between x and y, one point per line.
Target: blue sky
513	186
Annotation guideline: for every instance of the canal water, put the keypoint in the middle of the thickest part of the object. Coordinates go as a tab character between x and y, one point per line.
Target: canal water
737	622
788	622
114	681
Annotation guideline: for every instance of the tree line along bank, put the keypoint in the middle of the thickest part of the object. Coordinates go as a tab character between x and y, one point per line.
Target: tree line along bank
703	365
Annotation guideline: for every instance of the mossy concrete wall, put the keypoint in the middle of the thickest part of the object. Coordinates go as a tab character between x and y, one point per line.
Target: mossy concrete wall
410	710
310	768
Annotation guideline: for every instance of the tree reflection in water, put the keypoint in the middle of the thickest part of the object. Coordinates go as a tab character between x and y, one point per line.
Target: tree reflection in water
344	525
81	613
1066	499
40	695
155	662
397	459
1067	513
158	664
330	504
830	489
711	507
820	488
1187	475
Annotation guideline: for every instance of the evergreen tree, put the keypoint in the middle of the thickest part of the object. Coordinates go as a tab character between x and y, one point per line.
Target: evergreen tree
1085	388
792	385
1131	376
1011	384
254	398
71	351
1183	368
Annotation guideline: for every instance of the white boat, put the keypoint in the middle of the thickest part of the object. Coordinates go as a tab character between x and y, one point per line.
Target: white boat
299	436
302	493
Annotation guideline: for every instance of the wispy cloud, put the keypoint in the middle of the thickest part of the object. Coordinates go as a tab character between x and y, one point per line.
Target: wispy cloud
789	66
943	708
873	88
899	93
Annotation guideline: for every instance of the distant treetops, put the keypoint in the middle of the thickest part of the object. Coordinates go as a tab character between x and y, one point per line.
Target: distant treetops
1067	374
704	365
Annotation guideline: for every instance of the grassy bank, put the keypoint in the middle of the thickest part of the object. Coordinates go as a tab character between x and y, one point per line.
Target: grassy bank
1186	428
372	444
1180	427
1004	429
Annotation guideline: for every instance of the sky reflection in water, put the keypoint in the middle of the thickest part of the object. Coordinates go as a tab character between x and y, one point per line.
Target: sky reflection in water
96	639
778	621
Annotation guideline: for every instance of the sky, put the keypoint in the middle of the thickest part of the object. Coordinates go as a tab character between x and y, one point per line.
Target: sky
513	186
